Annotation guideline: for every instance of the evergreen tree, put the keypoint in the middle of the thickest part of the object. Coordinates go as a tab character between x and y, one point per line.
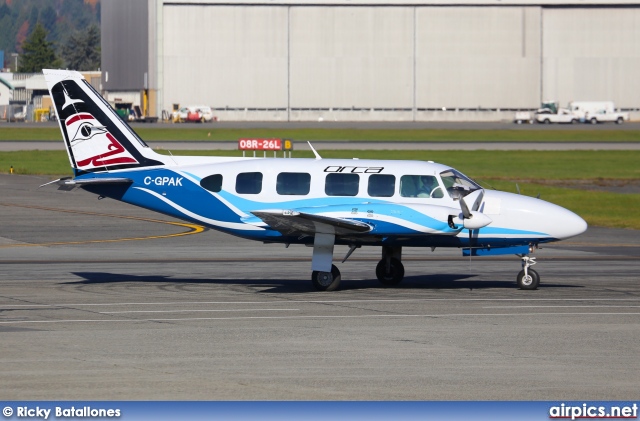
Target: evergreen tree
38	53
82	51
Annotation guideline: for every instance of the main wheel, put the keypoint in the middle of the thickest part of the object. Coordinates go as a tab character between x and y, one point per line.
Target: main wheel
326	281
395	273
531	281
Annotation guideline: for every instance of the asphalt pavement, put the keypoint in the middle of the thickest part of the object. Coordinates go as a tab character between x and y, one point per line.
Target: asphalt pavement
102	300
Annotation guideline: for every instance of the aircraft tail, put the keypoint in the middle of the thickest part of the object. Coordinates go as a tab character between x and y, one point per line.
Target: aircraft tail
96	138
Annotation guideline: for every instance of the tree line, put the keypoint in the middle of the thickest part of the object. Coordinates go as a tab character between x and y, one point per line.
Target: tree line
81	51
56	33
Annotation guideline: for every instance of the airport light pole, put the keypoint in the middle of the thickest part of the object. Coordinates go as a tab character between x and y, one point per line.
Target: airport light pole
15	70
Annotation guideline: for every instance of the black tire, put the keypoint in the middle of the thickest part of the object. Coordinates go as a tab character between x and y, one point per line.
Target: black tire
620	120
574	121
546	121
395	275
326	281
532	282
594	120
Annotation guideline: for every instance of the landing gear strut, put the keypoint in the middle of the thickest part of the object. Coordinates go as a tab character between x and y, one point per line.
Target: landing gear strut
390	269
325	276
528	278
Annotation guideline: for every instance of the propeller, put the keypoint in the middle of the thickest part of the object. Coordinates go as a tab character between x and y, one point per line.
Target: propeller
473	219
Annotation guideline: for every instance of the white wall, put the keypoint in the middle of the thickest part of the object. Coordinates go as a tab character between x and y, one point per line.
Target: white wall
225	56
471	57
592	55
351	57
394	62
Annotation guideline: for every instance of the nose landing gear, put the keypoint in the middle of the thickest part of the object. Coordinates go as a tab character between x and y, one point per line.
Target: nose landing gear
528	278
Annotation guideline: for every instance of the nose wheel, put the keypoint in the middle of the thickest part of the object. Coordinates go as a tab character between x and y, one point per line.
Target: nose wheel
527	277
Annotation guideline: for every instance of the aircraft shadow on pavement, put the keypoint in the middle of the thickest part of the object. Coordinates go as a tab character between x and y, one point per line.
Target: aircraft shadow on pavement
424	282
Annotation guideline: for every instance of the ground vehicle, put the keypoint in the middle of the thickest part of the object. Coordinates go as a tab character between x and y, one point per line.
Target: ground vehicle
205	112
21	114
523	117
546	116
199	113
595	112
550	112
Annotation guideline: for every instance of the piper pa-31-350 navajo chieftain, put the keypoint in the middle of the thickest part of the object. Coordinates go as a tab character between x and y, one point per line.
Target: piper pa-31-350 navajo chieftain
317	202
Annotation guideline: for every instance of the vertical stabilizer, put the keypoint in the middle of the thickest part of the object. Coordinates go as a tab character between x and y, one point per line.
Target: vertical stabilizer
95	136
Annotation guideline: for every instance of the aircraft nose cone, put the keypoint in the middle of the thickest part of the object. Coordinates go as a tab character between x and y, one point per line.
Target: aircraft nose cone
569	225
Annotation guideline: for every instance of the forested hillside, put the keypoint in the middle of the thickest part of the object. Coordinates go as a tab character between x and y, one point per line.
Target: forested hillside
60	18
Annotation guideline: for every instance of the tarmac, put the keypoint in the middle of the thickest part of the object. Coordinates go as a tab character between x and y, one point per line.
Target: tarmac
101	300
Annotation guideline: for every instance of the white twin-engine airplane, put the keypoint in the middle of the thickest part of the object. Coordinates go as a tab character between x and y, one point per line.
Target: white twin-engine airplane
316	202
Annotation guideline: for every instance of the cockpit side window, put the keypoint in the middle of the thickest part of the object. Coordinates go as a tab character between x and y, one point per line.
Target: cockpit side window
457	184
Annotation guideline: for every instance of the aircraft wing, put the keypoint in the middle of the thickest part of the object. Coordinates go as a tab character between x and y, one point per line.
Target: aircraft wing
362	220
290	222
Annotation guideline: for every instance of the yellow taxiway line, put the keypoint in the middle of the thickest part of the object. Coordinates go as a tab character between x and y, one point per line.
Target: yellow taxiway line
193	228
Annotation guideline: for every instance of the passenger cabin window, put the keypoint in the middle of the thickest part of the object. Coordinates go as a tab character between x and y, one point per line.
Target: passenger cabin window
420	186
249	183
341	184
212	183
381	185
293	183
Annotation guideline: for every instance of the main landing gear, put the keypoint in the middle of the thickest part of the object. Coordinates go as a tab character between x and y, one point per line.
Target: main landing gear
326	276
390	269
326	281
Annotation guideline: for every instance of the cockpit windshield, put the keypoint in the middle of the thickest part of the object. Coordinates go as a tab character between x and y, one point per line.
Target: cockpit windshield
457	184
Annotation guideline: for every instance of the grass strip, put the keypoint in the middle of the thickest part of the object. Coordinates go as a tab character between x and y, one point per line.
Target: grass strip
499	169
212	133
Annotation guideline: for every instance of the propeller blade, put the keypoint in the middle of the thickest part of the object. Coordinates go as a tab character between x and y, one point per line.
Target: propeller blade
478	202
465	209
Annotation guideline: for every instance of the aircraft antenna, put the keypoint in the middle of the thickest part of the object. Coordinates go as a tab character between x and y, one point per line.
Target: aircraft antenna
174	161
314	151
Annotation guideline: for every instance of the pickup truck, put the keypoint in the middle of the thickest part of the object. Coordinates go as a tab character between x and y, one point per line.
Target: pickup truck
604	116
546	116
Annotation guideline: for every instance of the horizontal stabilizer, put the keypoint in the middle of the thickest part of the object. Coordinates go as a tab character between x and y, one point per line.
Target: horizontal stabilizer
68	183
290	222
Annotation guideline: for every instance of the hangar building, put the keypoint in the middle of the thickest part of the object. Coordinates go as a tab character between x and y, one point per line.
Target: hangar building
364	60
